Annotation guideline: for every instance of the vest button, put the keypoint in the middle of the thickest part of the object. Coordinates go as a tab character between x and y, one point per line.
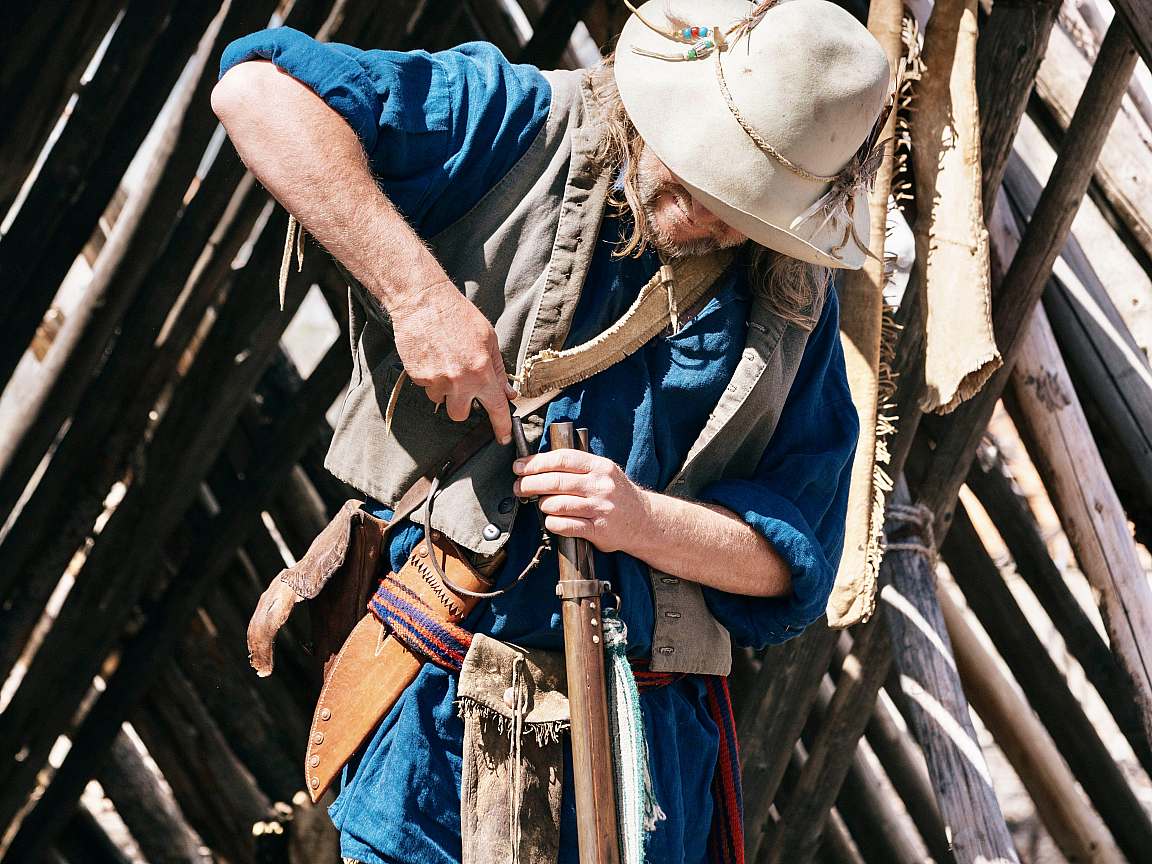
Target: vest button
505	506
491	532
667	649
670	580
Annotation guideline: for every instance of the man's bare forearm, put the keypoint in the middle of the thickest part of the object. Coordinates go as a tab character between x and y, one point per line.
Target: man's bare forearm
312	162
590	496
710	545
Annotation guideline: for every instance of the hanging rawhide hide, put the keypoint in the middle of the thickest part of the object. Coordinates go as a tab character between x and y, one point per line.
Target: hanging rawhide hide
951	240
867	334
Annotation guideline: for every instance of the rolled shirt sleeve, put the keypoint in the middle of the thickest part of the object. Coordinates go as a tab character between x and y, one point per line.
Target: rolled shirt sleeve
797	497
428	121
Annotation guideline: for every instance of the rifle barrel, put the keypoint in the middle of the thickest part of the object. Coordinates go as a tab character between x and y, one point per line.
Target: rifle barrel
587	695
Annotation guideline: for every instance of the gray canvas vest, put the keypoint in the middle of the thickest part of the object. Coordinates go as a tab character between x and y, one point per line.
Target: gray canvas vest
521	255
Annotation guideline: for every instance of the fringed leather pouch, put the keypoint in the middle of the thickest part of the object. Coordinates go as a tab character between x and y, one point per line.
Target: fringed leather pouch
515	709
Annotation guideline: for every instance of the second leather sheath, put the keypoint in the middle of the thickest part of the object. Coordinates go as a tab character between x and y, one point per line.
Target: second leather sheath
363	681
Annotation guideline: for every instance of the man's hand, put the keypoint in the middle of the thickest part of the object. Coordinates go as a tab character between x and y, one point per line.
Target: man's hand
588	496
584	495
450	349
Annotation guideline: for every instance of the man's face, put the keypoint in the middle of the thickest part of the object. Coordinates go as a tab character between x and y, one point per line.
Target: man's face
680	225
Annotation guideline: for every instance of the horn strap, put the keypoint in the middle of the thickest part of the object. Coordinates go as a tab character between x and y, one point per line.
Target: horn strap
675	286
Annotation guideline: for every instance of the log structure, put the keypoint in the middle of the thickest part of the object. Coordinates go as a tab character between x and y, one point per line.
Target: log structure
162	438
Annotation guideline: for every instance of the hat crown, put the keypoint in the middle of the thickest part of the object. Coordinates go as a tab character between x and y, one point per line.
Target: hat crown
810	79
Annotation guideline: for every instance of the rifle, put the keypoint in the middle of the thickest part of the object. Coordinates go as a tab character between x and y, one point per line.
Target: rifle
593	779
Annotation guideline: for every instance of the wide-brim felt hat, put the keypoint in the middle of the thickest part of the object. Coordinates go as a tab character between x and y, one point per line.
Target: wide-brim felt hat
771	123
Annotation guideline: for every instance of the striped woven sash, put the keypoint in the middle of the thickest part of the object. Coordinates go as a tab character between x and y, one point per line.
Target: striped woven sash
411	621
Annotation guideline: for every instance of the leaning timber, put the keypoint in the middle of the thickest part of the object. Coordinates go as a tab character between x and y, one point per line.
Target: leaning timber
161	457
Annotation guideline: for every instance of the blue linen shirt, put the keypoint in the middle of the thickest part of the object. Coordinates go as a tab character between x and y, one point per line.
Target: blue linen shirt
440	130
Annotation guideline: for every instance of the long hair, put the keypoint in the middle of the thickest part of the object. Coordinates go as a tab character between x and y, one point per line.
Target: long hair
794	288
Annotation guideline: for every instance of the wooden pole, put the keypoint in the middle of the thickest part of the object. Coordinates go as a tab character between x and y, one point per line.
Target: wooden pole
1009	51
775	724
206	559
1046	688
34	93
937	707
904	764
147	808
1111	374
867	801
115	111
140	235
1048	415
802	822
1019	531
592	773
837	844
1116	187
1072	823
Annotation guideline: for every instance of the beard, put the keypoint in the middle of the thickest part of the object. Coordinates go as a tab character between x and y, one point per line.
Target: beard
650	188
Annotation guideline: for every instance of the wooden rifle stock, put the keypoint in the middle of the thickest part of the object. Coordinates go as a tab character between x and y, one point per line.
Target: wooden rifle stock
587	690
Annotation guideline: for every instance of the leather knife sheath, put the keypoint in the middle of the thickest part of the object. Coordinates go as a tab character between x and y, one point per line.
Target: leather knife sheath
363	681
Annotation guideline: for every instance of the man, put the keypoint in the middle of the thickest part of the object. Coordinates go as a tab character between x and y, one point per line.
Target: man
491	215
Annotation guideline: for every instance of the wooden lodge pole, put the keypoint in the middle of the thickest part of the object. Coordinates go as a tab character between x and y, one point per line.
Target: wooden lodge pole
1046	687
1069	818
1048	414
1021	534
